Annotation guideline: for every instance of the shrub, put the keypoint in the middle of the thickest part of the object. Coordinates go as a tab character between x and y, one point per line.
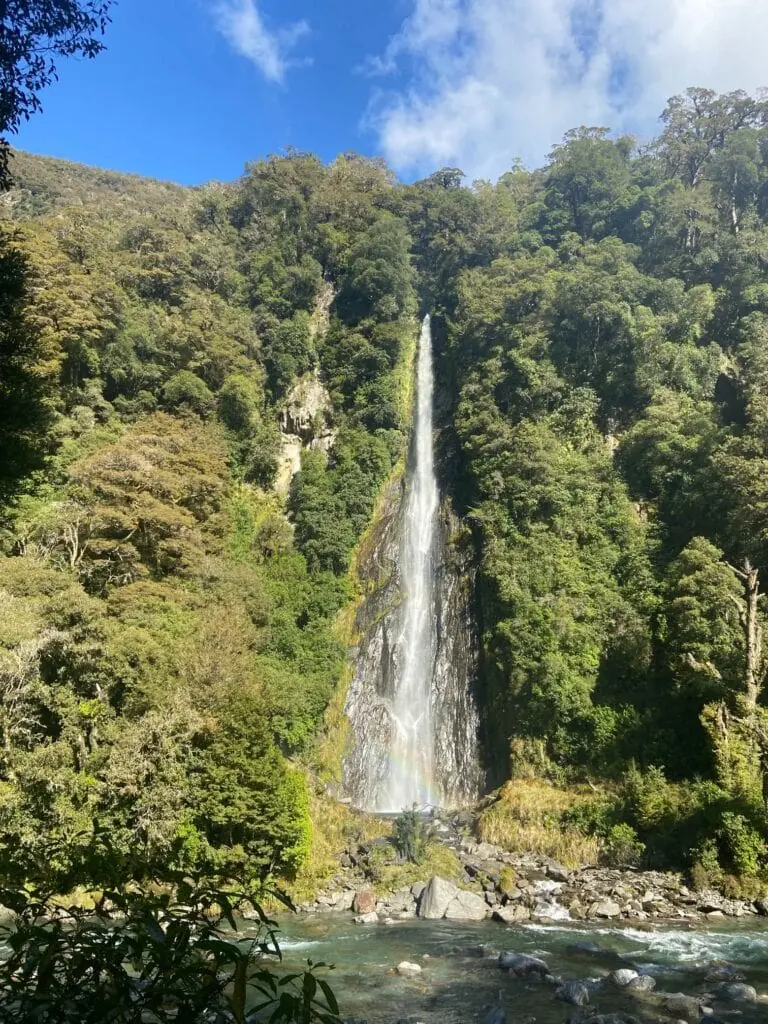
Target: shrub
410	836
706	872
622	847
743	845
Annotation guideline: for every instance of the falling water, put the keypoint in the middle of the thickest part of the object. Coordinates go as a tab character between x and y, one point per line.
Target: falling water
410	701
411	779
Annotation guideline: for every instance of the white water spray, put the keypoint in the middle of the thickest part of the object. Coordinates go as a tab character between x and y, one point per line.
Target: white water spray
411	776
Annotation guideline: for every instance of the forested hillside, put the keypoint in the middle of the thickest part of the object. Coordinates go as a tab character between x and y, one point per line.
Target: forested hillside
168	645
605	334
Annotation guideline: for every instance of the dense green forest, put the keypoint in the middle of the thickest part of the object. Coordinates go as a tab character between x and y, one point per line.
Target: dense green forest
170	636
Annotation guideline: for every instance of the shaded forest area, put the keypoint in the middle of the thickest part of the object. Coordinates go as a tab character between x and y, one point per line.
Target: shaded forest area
168	646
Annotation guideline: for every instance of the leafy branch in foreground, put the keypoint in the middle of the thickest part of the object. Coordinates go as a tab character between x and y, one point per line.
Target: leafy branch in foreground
148	957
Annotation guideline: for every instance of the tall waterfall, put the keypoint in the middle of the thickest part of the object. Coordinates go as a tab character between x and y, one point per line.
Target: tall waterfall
410	703
411	779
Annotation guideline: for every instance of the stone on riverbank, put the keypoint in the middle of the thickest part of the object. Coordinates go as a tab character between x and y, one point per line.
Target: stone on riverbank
511	915
574	992
364	901
734	992
435	898
372	918
605	908
465	906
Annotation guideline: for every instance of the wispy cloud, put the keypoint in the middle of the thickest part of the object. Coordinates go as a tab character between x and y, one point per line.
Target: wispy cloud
243	26
481	82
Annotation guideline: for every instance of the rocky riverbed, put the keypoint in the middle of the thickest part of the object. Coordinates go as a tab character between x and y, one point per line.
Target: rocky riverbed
514	888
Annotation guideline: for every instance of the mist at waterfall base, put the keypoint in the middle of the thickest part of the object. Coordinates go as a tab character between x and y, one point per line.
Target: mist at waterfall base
410	703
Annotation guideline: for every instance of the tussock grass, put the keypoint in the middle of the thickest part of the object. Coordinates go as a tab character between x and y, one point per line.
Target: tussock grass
439	860
526	817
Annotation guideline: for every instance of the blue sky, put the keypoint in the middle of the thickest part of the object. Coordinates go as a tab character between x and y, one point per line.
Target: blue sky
190	89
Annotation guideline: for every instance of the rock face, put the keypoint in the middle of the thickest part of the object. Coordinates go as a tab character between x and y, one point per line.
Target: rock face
377	659
303	424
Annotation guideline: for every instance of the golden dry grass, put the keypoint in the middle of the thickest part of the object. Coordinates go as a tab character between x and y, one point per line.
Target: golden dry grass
526	815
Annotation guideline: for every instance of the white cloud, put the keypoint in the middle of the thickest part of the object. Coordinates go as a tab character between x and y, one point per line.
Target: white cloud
490	80
242	25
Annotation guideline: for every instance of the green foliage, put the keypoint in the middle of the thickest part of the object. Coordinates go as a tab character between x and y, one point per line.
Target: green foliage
186	389
151	955
602	367
169	640
410	836
622	847
744	845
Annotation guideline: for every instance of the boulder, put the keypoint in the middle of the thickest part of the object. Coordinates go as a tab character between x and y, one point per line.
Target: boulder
574	992
521	964
511	914
436	897
623	977
408	969
720	971
643	983
372	918
605	908
761	906
681	1006
735	992
466	906
364	901
557	872
345	900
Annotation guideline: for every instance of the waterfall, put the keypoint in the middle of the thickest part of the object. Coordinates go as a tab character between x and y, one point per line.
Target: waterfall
411	776
410	703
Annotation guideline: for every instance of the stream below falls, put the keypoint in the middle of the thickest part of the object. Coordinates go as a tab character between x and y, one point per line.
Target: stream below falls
461	980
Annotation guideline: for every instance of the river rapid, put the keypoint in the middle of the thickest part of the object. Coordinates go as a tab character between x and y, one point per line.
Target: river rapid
461	980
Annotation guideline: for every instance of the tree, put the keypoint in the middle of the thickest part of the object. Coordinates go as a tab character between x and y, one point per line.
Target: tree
30	359
32	34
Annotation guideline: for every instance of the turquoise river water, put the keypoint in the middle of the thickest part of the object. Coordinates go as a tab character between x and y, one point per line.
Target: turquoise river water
460	981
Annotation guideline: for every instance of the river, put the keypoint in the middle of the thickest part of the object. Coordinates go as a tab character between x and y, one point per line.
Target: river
458	983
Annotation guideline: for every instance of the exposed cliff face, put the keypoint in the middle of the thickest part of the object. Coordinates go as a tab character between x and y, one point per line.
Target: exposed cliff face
379	624
303	424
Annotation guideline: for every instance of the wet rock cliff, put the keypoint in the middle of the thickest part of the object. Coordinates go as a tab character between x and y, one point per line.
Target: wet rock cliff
378	624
